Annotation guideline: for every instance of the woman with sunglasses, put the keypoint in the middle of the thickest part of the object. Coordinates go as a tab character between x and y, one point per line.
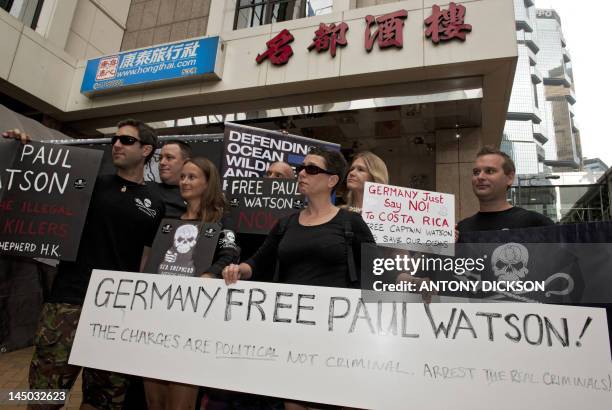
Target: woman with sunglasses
365	167
310	248
200	187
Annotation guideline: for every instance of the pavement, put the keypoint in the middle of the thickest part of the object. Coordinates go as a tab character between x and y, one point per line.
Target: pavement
14	375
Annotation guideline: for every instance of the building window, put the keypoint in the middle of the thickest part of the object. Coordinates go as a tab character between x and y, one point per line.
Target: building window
27	11
535	95
253	13
6	5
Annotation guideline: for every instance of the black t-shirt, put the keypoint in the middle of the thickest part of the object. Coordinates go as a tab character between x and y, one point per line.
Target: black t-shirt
512	218
249	244
171	196
122	219
312	255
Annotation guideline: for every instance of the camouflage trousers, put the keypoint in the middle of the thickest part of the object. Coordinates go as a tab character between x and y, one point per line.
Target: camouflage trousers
49	368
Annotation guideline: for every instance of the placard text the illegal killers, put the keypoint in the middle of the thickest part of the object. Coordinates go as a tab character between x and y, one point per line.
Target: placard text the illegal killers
44	195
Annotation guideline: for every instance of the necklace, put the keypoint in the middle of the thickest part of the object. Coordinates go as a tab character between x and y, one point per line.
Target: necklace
354	209
124	186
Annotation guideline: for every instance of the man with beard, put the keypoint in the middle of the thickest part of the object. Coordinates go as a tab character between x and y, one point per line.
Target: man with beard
119	229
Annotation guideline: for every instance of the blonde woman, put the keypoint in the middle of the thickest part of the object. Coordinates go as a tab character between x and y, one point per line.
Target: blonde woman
366	167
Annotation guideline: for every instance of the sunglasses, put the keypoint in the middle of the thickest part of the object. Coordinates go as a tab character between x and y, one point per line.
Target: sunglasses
312	170
124	140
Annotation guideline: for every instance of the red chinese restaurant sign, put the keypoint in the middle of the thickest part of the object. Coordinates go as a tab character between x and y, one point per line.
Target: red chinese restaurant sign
386	31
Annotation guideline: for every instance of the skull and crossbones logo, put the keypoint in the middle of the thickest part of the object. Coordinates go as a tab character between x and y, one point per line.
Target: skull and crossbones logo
227	239
185	238
509	262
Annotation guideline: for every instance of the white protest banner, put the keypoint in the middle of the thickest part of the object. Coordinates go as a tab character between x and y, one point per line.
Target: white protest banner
404	215
325	345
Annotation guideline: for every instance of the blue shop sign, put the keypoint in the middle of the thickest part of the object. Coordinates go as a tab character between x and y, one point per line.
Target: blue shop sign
164	62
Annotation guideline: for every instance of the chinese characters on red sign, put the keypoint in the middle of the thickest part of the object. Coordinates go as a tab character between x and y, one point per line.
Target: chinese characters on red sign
445	25
278	50
442	25
327	37
389	31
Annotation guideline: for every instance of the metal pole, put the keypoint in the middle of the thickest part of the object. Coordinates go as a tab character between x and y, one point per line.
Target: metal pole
601	209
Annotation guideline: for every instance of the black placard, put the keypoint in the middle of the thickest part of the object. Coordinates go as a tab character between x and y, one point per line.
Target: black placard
183	248
571	264
255	204
45	191
249	151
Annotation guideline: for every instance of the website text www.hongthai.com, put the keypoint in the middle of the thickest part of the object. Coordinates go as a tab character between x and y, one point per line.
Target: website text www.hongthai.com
157	67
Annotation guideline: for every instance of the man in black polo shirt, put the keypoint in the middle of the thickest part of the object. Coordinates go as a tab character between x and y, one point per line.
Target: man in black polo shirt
172	157
492	176
119	229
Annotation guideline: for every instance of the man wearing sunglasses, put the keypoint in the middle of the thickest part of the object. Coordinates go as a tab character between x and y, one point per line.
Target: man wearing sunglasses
119	229
312	170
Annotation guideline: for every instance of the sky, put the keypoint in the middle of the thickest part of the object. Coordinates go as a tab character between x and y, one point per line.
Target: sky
588	37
